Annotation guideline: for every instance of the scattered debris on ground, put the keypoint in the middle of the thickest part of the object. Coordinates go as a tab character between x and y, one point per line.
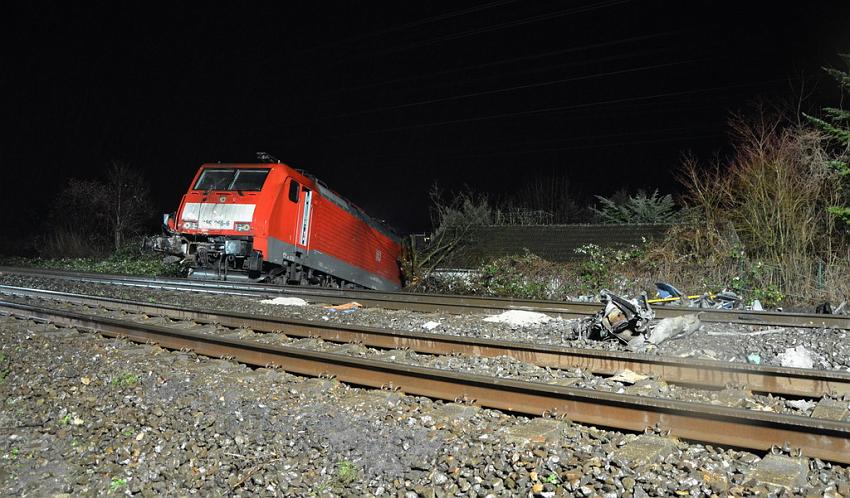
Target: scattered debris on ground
519	318
674	327
624	319
798	357
286	301
827	309
345	308
628	377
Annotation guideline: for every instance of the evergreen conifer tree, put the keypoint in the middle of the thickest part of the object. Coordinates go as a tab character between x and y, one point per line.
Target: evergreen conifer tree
836	125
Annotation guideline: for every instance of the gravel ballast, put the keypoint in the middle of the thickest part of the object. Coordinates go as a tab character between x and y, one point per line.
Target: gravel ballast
499	366
829	348
85	415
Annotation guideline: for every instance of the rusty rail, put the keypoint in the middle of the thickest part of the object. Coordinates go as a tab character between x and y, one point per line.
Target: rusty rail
691	372
442	303
823	439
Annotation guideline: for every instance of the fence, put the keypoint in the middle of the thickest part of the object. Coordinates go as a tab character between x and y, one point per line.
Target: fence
551	242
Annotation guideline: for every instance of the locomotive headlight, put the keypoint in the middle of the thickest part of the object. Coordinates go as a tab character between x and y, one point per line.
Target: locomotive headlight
243	227
190	225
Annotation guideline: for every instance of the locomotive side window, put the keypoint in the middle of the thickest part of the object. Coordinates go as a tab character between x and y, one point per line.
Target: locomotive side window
293	190
215	179
249	179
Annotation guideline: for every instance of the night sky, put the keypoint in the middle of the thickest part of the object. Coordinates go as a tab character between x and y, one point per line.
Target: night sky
382	99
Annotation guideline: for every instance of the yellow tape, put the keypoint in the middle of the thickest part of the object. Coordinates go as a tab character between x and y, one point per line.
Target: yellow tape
670	299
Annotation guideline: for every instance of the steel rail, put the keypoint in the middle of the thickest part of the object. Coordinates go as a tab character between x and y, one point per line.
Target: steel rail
825	439
691	372
442	302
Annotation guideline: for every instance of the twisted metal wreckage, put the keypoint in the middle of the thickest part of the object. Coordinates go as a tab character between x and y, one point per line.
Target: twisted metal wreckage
629	320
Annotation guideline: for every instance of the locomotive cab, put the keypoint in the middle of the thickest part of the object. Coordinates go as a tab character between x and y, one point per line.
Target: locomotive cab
216	220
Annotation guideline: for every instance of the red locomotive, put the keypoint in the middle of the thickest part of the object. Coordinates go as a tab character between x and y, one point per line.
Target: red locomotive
270	222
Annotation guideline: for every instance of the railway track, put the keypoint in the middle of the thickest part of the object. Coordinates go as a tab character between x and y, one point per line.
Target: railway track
437	302
689	372
825	439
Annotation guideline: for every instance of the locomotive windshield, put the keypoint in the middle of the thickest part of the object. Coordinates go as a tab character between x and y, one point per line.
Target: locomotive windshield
231	179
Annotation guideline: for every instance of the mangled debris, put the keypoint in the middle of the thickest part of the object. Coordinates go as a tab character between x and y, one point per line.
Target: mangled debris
827	309
669	294
677	326
625	319
631	321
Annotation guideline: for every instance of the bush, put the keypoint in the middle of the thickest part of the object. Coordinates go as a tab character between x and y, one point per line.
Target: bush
760	223
452	218
128	260
524	277
637	209
601	266
529	276
89	216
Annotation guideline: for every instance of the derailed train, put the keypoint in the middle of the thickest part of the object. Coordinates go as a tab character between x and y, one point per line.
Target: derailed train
270	222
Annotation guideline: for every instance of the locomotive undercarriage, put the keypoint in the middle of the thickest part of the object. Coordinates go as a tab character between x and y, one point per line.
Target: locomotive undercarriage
234	259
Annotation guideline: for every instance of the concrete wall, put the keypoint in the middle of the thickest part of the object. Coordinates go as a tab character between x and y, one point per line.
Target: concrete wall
551	242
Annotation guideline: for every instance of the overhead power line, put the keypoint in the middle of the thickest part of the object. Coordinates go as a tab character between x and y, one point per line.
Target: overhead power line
488	29
563	108
517	87
413	24
513	152
532	146
703	136
511	60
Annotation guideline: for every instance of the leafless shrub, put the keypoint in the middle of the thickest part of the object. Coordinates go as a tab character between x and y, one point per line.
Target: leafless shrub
90	215
453	215
127	202
763	216
512	215
541	200
75	228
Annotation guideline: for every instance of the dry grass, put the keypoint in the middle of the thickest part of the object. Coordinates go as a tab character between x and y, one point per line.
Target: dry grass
69	243
760	222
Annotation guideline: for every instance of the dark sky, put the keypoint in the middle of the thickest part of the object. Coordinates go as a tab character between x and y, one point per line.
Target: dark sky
381	99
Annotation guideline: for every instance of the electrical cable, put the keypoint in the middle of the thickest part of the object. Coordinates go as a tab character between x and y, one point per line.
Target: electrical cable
563	108
517	87
486	29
